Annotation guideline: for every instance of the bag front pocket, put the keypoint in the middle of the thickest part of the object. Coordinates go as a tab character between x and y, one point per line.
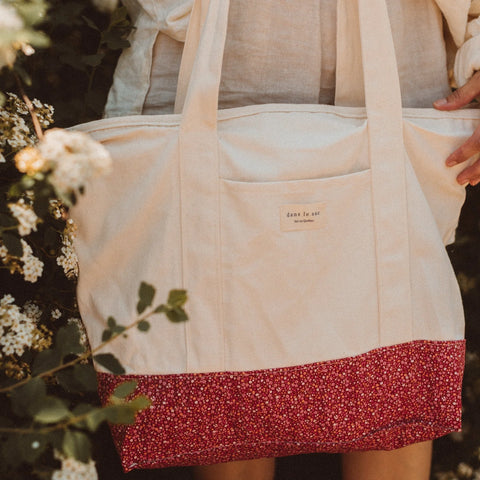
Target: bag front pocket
298	266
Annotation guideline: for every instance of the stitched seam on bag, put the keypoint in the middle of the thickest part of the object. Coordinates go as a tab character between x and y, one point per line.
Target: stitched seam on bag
440	430
115	126
186	329
219	296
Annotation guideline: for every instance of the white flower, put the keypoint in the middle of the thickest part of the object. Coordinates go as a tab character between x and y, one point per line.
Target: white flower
74	470
56	209
68	260
2	158
25	215
74	157
19	135
6	300
10	23
32	310
56	314
464	470
16	328
29	161
32	266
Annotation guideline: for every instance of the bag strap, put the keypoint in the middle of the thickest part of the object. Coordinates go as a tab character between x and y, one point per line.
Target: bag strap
199	163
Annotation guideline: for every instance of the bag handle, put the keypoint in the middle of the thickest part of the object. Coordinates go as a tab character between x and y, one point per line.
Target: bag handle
199	165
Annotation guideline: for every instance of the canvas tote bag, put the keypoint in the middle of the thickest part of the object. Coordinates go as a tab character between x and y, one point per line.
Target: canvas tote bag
324	314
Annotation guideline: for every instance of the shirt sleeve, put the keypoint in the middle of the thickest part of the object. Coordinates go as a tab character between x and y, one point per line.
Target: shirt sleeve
467	60
132	75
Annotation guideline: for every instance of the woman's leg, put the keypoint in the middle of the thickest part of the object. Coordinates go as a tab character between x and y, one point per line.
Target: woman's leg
261	469
408	463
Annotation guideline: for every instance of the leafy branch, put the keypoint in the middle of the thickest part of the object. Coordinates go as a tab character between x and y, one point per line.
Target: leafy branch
47	419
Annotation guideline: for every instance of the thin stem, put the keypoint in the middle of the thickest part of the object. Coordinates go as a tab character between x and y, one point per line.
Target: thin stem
30	107
84	356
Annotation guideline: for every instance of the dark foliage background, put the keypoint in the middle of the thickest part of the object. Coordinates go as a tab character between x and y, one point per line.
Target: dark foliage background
74	76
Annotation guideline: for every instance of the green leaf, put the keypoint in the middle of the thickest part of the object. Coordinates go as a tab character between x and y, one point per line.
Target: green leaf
119	15
95	418
114	40
93	60
140	403
77	445
111	322
143	326
46	360
106	335
79	378
90	23
177	298
125	389
120	414
161	309
56	438
28	398
32	12
67	340
146	293
82	409
108	361
177	315
41	205
88	412
52	410
12	242
87	376
73	60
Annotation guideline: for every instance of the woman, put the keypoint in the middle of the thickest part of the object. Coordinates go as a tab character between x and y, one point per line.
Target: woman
270	40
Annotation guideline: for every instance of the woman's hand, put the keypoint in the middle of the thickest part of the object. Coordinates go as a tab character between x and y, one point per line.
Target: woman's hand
461	97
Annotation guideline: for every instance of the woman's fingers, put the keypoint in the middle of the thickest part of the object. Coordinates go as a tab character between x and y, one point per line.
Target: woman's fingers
470	175
462	96
458	99
471	147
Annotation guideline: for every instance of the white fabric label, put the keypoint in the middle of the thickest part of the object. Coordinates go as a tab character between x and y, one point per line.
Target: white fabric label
310	216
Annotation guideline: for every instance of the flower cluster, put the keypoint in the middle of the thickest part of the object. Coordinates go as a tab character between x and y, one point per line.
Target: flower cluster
12	25
26	217
16	128
68	158
73	158
19	328
28	264
18	32
75	470
68	259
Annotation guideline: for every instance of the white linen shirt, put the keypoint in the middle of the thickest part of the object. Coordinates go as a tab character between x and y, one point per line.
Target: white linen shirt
282	65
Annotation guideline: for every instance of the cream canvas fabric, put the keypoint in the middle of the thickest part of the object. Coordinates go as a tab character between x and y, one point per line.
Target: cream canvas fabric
213	202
